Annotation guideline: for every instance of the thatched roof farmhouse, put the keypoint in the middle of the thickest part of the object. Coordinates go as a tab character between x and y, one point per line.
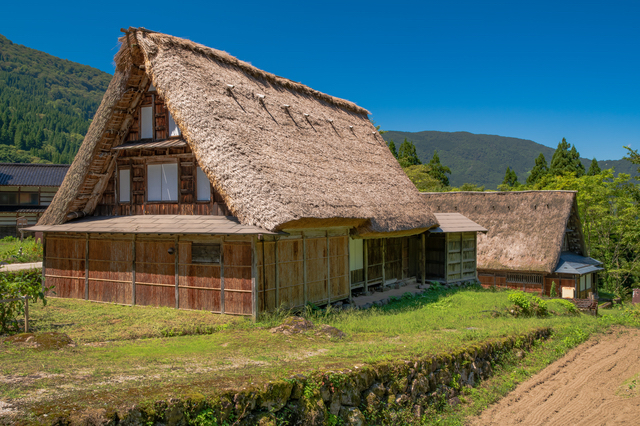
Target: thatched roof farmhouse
529	233
206	183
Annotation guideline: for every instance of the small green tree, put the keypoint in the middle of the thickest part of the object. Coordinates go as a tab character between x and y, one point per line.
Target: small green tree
423	179
392	148
540	169
510	179
594	168
566	159
438	171
407	155
554	290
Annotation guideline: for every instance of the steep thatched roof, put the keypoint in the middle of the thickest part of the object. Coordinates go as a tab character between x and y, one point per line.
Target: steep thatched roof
526	228
281	154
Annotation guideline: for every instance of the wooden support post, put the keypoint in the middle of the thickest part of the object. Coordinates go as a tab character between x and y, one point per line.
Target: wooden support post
254	287
133	271
348	268
44	259
328	273
423	264
446	258
277	273
176	253
26	314
304	269
384	252
365	247
222	276
86	267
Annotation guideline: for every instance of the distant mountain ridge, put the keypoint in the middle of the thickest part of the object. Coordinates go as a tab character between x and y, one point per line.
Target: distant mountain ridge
483	159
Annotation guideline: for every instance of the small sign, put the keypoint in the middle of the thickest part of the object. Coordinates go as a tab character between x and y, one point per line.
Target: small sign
21	222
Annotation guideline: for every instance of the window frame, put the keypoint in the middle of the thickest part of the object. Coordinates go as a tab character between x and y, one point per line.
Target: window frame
197	192
162	162
119	183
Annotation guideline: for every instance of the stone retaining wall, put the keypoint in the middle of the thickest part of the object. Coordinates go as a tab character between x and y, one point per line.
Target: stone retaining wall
322	398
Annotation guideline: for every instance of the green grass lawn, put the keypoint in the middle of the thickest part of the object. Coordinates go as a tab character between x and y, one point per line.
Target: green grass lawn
124	355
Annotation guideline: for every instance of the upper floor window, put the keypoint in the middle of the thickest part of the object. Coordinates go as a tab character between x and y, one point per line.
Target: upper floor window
162	182
124	185
174	130
146	122
203	186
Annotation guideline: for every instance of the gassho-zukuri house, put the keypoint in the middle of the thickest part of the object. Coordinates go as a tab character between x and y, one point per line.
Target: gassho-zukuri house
206	183
534	238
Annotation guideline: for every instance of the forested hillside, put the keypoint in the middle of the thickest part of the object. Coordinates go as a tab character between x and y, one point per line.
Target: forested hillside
46	104
483	159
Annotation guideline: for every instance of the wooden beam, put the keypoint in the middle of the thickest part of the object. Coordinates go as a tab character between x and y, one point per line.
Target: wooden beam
254	287
86	267
384	249
176	253
348	268
133	271
44	259
222	276
277	273
423	263
328	272
304	269
365	246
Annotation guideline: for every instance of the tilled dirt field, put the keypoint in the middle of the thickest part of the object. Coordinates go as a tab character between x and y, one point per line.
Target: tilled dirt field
597	383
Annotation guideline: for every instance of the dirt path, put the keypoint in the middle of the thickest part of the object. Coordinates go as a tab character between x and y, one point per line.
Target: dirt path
597	383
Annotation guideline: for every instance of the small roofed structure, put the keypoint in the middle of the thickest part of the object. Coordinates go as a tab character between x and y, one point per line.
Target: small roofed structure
297	178
534	239
25	192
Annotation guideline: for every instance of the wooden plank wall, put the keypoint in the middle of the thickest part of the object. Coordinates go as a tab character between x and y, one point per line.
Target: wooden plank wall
301	268
109	276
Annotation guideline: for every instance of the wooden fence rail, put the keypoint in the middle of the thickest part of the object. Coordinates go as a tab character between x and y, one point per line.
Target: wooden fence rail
26	309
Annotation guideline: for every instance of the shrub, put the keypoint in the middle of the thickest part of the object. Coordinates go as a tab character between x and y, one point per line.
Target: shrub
17	284
527	305
554	291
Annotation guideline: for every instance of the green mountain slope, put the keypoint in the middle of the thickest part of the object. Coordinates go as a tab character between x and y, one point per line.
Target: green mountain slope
483	159
46	104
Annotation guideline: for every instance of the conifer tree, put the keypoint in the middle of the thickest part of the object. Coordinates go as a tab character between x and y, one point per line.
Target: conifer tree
407	155
392	148
566	159
594	168
438	171
510	178
540	169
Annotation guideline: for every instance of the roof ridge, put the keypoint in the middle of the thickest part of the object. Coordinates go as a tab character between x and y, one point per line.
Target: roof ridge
226	58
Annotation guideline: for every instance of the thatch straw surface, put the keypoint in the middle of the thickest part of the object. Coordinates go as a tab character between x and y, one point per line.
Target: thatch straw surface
525	228
314	161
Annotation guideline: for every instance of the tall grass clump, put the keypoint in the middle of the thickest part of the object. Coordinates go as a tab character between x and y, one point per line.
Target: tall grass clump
13	250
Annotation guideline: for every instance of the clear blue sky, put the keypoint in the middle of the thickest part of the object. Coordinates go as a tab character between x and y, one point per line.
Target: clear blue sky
539	70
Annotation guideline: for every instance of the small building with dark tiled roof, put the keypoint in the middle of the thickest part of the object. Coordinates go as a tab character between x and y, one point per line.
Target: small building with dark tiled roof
25	192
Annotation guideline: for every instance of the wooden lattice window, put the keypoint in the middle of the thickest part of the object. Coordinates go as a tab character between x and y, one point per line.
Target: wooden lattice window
524	278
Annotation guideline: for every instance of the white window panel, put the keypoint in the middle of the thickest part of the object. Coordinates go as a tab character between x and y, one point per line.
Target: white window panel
583	281
356	254
174	130
124	185
588	285
204	186
146	123
170	182
154	182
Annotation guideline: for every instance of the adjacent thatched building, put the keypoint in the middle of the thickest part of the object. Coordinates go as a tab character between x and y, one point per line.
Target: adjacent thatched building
215	185
534	238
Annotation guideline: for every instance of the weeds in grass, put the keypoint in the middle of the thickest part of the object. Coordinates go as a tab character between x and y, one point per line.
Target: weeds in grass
12	250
